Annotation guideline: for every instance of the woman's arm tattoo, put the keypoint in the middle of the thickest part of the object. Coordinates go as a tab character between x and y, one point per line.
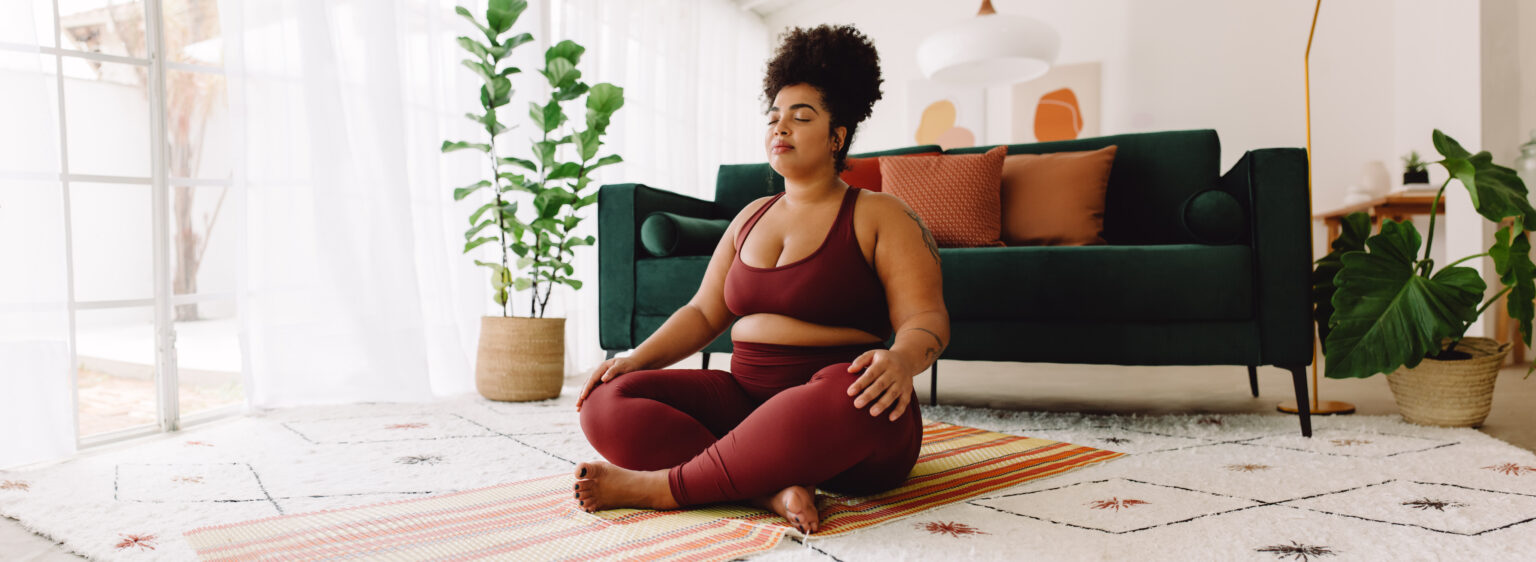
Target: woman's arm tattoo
933	246
932	352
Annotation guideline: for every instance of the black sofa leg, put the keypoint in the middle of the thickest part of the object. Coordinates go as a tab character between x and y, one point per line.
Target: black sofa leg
706	360
933	386
1303	406
611	354
1253	380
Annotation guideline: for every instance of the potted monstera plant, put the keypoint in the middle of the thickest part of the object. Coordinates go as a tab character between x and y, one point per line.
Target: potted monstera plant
530	206
1382	308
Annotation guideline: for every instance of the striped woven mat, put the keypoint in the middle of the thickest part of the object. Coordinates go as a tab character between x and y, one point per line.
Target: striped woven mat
537	519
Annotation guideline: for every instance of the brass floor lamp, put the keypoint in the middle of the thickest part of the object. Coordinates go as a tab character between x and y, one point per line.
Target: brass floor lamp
1322	407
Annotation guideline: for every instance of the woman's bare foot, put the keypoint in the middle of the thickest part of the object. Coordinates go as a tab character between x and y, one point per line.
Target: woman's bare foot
600	485
795	503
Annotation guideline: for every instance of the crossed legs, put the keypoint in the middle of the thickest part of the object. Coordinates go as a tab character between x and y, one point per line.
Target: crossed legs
690	436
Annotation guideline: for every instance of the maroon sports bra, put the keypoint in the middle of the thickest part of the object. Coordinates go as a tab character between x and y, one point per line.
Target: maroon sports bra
834	286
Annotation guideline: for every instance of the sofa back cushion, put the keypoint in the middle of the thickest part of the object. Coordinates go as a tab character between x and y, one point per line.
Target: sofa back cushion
955	194
1153	175
1055	199
736	185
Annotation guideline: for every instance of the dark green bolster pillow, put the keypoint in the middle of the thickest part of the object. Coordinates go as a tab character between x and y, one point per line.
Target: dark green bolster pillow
1214	217
666	234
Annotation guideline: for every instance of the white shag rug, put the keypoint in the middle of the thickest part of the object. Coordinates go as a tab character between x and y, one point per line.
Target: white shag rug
1205	487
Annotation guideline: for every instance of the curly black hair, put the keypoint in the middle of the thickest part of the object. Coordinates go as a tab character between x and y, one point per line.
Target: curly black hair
841	63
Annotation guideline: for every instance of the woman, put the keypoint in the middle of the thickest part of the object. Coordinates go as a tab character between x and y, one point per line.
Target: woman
814	288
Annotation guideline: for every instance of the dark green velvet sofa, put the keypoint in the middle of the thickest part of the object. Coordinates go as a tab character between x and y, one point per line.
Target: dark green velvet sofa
1201	268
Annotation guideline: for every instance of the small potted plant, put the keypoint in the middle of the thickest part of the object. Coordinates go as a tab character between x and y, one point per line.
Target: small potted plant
523	358
1382	309
1414	170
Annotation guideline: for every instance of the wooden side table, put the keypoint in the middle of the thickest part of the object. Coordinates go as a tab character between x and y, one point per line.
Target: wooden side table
1396	206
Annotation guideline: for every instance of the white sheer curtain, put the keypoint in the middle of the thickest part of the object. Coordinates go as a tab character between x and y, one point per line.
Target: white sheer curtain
354	287
37	410
692	73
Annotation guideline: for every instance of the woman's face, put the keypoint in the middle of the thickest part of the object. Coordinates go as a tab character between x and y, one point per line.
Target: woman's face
798	141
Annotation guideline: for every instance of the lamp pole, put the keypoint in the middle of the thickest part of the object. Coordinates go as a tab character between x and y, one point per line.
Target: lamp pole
1318	406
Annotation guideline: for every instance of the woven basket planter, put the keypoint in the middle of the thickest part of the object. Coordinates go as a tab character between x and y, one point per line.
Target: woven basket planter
520	359
1450	393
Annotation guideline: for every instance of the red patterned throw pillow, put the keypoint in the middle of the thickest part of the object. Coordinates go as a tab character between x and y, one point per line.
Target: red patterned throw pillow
956	195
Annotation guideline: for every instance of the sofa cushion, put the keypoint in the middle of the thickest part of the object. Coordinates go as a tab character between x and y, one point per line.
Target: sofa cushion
1153	174
956	195
1055	199
663	285
1214	217
865	171
669	234
1174	282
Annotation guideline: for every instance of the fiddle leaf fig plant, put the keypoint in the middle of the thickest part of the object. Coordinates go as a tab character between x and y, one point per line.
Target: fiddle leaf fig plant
549	189
1379	306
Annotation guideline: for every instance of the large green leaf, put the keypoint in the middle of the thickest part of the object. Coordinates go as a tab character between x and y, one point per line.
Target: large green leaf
450	146
561	73
460	10
1355	228
475	217
496	93
1385	316
602	102
462	192
564	170
570	91
1512	260
485	70
501	14
526	164
567	50
548	116
1496	191
474	47
472	244
519	39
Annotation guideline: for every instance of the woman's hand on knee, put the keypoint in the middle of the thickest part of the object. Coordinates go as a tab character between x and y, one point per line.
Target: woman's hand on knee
604	373
887	381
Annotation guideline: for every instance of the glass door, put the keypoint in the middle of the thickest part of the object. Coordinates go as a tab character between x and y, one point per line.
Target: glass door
152	226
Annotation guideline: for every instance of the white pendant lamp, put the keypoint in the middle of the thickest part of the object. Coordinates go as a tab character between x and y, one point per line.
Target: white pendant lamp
990	49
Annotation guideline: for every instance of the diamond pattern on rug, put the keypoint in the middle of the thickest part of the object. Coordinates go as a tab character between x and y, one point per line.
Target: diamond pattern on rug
1351	443
78	502
1119	505
183	482
373	429
1254	472
1446	508
1130	441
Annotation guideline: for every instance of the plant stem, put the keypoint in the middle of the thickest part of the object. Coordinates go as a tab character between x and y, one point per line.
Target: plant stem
1485	306
501	234
1429	242
1484	254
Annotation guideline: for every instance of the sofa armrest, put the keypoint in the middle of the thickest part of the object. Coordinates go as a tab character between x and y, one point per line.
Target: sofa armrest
621	208
1272	184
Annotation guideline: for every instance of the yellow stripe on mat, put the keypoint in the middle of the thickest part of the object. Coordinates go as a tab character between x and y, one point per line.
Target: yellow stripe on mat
536	519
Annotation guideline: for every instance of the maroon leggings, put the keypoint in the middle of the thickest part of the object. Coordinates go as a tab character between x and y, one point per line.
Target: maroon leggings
781	417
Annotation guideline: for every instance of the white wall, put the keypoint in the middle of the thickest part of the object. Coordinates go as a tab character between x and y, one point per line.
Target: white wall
1384	74
1236	67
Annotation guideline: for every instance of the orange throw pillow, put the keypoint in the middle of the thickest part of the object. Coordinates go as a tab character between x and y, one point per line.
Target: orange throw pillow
956	195
865	172
1055	199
